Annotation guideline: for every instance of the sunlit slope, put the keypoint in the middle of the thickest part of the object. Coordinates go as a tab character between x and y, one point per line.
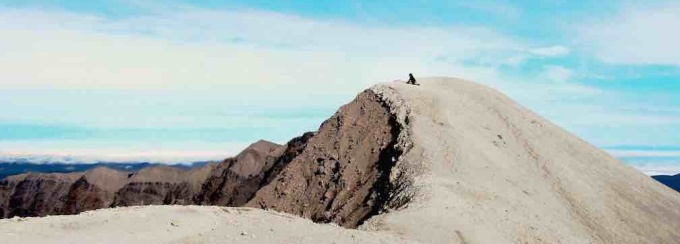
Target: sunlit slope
488	170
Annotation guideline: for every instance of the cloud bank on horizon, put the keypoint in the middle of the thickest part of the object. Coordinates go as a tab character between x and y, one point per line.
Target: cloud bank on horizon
123	75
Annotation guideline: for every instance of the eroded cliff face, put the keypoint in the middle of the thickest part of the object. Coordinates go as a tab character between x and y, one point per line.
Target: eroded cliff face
162	185
338	174
342	174
95	189
35	194
235	180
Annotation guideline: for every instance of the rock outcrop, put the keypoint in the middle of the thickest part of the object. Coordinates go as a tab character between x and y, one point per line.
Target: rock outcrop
235	181
95	189
341	175
35	194
162	185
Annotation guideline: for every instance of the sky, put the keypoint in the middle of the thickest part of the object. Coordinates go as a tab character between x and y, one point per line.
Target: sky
174	81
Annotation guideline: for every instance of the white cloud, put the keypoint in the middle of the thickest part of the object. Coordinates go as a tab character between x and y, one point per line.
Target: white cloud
202	48
643	153
637	35
209	60
605	117
659	170
520	57
222	57
89	151
551	51
238	51
558	73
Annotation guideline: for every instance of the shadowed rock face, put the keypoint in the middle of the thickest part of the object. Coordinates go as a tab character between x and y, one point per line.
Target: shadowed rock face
338	174
94	190
35	194
162	185
83	196
235	180
232	182
45	194
341	173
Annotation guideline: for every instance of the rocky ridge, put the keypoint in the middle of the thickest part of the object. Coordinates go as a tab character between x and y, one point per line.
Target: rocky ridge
338	174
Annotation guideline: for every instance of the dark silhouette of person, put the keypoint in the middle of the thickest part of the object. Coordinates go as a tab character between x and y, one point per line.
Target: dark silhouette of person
411	79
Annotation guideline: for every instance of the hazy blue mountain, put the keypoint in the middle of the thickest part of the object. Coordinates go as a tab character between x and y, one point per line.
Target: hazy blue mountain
18	167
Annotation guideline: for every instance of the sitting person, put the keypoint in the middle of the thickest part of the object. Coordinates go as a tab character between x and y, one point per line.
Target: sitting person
411	79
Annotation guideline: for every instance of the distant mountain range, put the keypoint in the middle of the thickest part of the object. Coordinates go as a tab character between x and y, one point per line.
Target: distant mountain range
19	167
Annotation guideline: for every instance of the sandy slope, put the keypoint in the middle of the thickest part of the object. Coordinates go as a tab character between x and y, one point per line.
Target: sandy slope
484	170
180	224
492	171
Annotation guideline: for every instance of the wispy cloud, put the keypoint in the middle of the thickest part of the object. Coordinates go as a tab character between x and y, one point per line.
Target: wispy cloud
179	70
174	67
558	73
97	151
196	47
646	153
241	52
551	51
639	34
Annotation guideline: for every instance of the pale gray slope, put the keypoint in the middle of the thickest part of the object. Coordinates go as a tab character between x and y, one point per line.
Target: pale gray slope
180	224
488	170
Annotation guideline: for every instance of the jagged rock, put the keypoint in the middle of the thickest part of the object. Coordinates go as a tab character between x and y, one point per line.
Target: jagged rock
235	180
162	185
28	195
95	189
341	178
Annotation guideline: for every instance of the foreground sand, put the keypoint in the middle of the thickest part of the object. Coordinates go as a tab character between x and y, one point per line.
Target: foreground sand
181	224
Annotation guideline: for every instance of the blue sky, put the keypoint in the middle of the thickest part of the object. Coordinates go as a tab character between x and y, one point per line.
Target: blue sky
201	79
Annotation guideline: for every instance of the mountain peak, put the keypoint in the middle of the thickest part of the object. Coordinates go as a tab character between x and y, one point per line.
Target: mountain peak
446	160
